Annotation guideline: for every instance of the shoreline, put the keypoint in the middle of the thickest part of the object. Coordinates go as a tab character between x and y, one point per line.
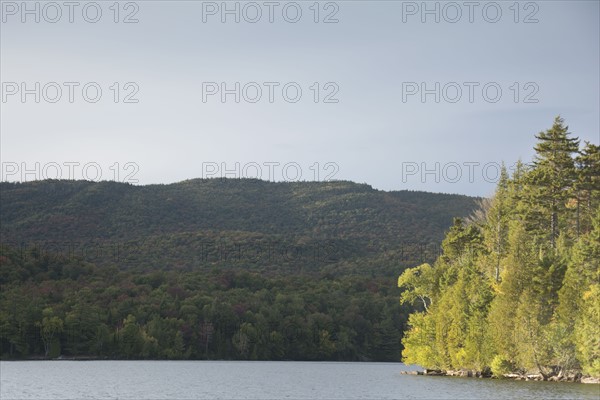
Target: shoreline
574	377
464	373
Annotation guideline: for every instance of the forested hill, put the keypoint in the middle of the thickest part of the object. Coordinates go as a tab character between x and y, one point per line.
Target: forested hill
211	269
333	225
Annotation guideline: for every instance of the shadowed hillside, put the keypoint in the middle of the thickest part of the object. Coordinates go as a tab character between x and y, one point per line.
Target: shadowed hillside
340	225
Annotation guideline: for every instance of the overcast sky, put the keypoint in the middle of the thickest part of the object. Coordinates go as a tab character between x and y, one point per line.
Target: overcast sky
387	92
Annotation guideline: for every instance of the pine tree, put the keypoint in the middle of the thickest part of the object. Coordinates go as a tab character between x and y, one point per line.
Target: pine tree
577	280
552	178
495	228
587	186
504	325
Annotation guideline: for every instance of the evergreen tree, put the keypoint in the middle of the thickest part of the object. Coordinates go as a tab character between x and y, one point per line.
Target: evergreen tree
587	331
587	186
503	320
496	226
551	179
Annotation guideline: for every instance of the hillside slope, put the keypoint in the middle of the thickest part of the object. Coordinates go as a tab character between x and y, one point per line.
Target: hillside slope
339	226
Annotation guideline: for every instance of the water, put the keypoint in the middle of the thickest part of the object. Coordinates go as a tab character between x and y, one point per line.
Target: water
257	380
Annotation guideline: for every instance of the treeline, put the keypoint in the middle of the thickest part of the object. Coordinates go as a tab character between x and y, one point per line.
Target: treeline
53	306
517	287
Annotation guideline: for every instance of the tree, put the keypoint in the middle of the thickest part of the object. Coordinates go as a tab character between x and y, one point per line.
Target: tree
587	186
207	331
130	338
418	341
81	325
552	177
495	227
50	327
419	283
587	333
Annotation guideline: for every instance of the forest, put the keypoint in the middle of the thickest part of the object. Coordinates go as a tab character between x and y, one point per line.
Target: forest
211	269
336	227
80	310
516	289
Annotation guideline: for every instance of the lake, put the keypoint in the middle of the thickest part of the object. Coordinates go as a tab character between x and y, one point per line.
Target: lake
258	380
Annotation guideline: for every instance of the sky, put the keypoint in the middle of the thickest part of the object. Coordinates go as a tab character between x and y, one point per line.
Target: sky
400	95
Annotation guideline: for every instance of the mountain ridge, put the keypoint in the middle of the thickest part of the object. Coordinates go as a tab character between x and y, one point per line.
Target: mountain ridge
364	223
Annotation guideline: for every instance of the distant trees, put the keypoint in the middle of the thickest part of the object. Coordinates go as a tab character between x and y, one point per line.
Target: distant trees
518	290
218	314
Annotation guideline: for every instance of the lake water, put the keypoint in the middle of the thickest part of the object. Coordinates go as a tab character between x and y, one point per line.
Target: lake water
257	380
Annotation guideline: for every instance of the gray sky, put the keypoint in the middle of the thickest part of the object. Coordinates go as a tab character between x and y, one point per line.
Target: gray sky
374	61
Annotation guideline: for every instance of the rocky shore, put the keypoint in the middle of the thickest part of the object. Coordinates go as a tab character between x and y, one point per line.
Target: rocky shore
569	377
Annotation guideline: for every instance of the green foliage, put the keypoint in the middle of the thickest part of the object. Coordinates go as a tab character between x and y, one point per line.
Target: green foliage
501	366
217	314
551	182
418	341
419	283
211	269
587	339
516	288
287	227
50	327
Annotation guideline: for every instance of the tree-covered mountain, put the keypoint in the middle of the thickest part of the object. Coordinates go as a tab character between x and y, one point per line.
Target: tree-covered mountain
221	268
337	226
517	290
